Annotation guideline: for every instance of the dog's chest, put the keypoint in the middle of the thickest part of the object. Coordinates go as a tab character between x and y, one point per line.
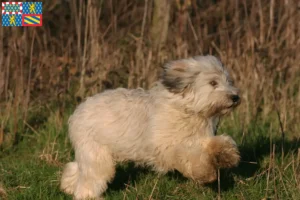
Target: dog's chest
198	127
182	127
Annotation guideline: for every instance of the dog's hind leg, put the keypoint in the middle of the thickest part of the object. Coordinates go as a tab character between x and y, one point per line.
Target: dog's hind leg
96	168
69	177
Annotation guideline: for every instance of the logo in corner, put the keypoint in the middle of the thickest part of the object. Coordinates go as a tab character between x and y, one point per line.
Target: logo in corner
22	13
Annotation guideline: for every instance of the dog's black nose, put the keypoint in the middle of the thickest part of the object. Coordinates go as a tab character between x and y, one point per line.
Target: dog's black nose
235	98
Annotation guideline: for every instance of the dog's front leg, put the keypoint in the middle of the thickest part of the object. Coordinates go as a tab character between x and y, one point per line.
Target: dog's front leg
201	161
223	151
195	163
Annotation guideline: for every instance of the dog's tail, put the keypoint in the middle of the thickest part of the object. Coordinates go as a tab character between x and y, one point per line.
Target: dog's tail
69	177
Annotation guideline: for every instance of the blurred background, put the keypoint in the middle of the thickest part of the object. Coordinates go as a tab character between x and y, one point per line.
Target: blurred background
85	47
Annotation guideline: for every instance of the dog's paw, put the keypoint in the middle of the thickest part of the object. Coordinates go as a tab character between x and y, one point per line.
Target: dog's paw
68	190
224	152
86	195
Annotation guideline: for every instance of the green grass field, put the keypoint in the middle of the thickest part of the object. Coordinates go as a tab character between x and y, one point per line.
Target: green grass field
31	168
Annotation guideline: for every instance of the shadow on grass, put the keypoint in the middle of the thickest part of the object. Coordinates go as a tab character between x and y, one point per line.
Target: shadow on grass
252	152
126	174
129	173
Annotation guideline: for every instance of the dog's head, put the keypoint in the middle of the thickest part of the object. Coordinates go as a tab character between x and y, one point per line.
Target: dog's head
203	84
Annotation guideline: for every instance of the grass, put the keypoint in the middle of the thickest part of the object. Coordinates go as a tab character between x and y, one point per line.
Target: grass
32	168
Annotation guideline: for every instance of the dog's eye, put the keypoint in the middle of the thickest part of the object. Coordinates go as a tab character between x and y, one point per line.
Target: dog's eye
230	82
213	83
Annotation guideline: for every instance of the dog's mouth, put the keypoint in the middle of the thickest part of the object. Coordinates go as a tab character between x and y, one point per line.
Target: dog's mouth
234	104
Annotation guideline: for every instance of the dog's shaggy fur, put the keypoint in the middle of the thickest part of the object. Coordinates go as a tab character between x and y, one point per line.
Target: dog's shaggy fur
170	127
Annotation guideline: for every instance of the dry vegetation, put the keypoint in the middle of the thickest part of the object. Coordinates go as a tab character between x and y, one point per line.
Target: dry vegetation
85	47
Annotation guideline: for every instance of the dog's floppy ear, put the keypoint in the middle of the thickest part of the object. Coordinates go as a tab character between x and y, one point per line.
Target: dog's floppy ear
178	75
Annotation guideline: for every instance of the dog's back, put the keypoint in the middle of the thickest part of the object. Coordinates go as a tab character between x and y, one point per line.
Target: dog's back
116	118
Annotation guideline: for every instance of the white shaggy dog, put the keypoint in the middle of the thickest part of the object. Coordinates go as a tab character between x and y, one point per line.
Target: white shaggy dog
170	127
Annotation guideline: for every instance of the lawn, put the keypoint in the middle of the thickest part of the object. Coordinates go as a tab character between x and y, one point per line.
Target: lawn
31	169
